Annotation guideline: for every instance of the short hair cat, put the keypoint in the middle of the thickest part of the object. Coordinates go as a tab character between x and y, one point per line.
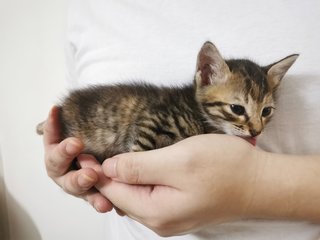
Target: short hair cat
235	97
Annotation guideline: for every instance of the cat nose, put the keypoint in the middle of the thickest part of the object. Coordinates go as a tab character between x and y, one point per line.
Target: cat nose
254	132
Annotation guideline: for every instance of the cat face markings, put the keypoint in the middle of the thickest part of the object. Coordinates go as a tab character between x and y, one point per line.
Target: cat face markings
237	95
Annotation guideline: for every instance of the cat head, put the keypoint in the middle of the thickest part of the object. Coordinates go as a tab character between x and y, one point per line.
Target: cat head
237	96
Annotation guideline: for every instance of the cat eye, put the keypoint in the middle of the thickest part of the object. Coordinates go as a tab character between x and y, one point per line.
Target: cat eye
266	111
237	109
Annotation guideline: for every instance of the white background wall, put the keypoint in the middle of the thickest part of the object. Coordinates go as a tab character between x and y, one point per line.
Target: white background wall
31	79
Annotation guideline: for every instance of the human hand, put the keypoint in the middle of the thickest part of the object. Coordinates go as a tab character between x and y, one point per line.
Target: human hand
199	181
58	159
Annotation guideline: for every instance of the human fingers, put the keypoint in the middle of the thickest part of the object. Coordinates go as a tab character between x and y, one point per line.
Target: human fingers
118	192
153	206
77	182
94	197
98	201
59	157
151	167
51	128
88	161
81	183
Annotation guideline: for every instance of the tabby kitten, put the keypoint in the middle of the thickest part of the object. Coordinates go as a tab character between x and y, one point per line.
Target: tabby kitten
235	97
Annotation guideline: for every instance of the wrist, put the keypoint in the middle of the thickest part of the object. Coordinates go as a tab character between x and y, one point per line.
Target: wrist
285	187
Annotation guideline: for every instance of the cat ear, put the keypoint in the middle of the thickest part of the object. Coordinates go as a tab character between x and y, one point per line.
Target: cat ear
276	71
211	67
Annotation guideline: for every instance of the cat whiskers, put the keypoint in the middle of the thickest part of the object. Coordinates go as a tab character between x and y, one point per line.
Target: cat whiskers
238	130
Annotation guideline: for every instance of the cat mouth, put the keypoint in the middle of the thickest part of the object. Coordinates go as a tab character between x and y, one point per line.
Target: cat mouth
252	140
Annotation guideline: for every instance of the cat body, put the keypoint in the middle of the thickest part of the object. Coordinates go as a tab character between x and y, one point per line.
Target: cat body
134	117
235	97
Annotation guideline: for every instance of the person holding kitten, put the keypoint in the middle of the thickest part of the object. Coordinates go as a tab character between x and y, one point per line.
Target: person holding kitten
213	189
203	187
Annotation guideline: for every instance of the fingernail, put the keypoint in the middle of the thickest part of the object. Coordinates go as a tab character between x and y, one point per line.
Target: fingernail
72	147
85	181
110	167
97	207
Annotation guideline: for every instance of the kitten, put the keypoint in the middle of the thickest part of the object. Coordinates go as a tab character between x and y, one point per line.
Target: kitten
235	97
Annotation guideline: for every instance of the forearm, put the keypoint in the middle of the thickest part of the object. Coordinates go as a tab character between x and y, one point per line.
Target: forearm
286	187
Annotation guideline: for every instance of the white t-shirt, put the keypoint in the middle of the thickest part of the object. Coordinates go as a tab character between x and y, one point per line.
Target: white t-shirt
158	41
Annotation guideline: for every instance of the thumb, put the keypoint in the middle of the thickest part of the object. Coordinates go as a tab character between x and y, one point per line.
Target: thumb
156	167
